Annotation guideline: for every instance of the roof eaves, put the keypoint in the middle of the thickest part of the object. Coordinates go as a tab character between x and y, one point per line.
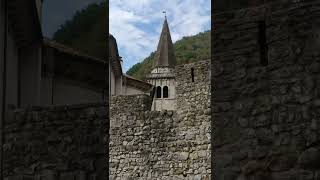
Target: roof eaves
69	51
138	83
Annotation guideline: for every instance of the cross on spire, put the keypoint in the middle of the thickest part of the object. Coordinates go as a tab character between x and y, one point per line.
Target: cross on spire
165	14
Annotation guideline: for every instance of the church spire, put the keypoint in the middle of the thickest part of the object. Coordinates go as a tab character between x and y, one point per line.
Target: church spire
165	56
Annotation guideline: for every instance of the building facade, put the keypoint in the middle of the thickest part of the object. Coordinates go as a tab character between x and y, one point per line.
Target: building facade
71	77
20	54
35	73
121	83
162	75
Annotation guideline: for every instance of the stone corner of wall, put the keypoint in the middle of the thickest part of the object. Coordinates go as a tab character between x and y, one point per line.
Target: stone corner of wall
130	103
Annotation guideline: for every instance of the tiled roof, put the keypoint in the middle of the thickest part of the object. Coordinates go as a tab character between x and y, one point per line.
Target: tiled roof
131	81
68	50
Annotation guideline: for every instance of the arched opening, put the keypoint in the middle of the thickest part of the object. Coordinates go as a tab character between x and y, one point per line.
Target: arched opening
158	92
165	92
192	74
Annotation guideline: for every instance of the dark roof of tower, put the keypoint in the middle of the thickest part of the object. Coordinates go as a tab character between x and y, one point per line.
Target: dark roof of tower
165	56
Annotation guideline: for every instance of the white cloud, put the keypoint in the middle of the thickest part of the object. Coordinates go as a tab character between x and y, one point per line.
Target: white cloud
136	24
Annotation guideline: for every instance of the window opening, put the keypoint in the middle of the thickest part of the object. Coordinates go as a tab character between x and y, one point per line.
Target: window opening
263	43
192	74
158	92
165	92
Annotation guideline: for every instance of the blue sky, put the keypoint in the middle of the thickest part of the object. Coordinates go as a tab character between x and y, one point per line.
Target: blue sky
136	24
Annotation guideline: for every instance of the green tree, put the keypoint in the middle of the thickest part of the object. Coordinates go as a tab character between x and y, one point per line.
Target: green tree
86	31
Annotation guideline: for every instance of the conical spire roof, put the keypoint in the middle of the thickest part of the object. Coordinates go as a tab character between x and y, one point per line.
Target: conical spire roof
165	56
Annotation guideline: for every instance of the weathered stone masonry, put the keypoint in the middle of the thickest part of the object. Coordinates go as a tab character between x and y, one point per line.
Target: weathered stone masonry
56	143
173	145
266	116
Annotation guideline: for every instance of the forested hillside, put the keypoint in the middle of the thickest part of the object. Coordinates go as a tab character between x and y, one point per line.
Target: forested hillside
86	31
188	49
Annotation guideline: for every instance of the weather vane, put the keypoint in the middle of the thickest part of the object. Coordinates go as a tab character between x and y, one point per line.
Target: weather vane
165	14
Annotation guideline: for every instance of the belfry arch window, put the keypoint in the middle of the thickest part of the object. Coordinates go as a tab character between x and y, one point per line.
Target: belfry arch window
158	92
165	92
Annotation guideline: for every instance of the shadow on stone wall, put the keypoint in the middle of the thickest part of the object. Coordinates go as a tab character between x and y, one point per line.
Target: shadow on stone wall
56	143
266	115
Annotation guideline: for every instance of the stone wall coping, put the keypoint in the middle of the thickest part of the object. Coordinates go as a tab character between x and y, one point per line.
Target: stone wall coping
62	107
274	6
134	95
192	64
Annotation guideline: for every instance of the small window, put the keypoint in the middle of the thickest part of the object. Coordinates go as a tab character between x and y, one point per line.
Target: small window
158	92
192	74
165	92
263	43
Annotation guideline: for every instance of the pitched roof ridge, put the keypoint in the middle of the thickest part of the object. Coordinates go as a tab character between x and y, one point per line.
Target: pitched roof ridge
69	50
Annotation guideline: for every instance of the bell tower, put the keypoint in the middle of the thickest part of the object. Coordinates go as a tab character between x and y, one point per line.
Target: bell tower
162	75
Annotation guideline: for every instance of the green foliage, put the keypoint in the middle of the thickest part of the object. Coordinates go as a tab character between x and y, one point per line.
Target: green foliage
139	70
187	50
86	31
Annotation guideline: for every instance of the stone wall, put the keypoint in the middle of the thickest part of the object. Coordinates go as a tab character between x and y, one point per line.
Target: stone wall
56	143
141	144
194	96
228	5
129	103
266	94
194	115
168	145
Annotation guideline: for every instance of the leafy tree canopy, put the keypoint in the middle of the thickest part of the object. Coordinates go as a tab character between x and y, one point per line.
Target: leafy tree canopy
86	31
